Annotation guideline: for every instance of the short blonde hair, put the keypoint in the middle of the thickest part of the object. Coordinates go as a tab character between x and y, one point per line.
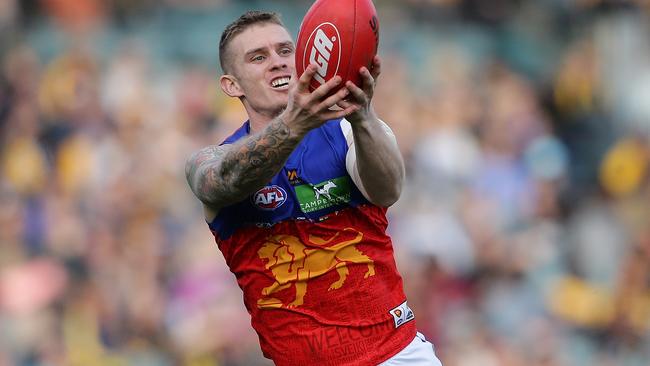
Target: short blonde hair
246	20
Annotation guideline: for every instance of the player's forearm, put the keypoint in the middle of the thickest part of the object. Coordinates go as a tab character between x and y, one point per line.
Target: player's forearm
253	162
379	162
228	175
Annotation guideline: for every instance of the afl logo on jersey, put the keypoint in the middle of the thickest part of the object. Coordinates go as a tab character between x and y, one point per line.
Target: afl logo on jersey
269	197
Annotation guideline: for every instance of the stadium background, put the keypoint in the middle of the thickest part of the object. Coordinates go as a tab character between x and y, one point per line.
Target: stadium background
523	234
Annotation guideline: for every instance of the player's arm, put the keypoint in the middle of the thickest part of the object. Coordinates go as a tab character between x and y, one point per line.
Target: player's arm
377	163
222	175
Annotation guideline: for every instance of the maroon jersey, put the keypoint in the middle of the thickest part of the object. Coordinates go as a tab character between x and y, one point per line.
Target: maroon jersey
313	259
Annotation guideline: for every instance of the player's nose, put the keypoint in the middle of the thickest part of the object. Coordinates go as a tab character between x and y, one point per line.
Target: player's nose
279	62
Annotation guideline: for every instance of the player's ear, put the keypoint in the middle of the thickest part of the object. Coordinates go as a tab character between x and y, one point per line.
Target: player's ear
230	86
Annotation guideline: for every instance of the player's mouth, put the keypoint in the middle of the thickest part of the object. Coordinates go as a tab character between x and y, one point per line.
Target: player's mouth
281	83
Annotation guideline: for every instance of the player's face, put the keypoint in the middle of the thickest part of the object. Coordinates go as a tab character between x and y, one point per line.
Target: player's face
263	63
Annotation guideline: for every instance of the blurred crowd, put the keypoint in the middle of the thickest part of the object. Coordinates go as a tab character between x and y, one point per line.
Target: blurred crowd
523	234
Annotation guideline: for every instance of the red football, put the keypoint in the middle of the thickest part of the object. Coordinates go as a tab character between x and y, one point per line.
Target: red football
339	37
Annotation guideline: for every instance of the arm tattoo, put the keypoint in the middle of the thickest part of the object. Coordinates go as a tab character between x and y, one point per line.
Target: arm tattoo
221	175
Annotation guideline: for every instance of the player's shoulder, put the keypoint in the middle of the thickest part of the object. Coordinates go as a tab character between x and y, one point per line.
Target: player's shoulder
242	131
333	122
332	130
334	126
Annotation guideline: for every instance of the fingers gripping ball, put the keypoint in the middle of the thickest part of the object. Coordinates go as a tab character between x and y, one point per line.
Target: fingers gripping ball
339	37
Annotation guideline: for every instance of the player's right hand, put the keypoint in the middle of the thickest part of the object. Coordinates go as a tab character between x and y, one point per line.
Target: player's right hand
307	110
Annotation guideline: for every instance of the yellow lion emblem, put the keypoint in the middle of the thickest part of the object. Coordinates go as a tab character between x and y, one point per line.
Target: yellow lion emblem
292	263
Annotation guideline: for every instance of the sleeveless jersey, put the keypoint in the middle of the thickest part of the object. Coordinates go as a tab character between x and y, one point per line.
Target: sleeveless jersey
315	264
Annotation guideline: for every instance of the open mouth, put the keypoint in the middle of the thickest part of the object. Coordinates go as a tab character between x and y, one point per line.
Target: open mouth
281	82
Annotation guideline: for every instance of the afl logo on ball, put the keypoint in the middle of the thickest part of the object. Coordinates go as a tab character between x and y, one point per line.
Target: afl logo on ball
269	197
323	50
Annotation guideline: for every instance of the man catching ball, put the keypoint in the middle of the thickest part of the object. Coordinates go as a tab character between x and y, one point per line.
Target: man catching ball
296	199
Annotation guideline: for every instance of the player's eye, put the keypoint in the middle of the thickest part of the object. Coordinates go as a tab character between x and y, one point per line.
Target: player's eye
286	51
258	58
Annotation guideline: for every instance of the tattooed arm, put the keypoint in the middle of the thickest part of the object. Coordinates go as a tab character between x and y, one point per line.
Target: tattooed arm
222	175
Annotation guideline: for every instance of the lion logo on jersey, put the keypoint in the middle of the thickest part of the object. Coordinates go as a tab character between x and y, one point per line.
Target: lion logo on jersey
294	264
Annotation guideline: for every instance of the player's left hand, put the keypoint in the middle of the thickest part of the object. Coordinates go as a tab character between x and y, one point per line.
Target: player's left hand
361	97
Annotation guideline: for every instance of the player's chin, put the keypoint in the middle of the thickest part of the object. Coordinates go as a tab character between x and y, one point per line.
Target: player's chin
280	101
279	108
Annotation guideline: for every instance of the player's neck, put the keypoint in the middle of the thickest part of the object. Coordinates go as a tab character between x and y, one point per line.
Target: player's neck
258	121
258	124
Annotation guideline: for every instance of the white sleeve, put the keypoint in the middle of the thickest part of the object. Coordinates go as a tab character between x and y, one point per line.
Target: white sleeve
351	156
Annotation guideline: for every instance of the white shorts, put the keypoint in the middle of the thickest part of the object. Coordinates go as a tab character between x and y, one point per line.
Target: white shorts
418	353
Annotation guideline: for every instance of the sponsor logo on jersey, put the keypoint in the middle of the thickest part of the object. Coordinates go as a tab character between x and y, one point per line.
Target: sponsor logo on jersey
294	264
323	50
323	195
292	177
402	314
269	197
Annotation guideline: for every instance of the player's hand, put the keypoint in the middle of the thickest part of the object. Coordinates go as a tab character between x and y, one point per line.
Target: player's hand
361	97
307	110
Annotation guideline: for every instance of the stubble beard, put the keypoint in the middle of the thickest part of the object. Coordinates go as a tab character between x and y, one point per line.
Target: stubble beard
279	111
281	107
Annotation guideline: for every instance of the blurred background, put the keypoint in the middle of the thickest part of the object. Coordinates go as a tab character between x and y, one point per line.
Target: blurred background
523	234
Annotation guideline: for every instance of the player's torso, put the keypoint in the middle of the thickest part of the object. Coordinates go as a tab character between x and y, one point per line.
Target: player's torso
314	262
312	184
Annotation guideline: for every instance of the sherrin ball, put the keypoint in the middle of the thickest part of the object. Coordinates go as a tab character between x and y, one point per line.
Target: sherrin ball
338	37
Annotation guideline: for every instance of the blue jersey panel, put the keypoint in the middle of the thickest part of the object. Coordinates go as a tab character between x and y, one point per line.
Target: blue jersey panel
313	183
